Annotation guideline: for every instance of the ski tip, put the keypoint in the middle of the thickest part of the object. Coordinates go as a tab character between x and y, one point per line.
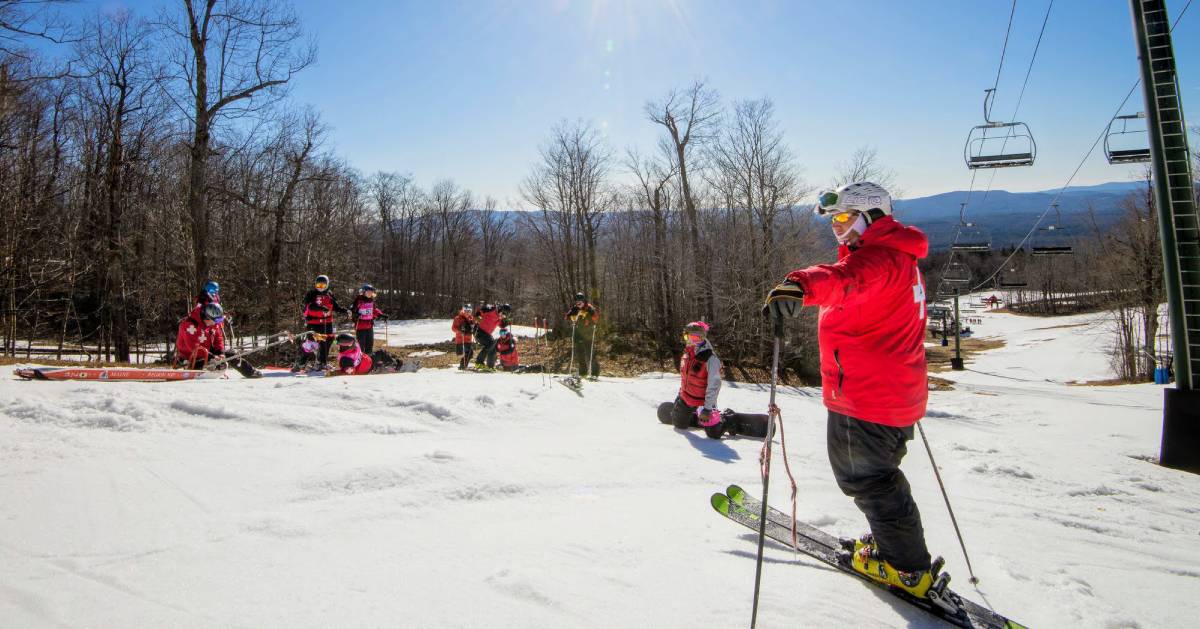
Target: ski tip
720	502
735	493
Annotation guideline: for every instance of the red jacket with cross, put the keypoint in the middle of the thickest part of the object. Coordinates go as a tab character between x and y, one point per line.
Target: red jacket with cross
871	325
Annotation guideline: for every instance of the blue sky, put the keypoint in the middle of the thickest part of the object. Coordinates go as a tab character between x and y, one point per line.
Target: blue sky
468	90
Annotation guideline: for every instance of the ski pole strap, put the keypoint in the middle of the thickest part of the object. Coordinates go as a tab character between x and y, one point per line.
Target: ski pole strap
777	416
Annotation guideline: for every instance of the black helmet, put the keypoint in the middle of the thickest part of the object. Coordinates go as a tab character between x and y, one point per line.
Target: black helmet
213	312
467	306
366	287
580	297
505	308
346	339
322	279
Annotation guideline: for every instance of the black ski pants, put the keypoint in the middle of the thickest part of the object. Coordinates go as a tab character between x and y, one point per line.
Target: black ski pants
866	463
683	416
487	348
366	340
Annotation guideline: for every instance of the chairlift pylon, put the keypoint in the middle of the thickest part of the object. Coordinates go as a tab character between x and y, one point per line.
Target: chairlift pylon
988	144
971	237
1122	146
1053	239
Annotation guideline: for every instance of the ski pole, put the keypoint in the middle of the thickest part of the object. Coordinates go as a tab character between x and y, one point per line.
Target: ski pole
974	579
571	367
289	337
592	352
765	461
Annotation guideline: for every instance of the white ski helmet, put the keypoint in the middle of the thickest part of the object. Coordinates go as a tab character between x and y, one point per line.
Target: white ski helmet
860	196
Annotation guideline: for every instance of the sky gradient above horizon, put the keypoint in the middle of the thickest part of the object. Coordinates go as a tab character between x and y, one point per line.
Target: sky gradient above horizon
469	90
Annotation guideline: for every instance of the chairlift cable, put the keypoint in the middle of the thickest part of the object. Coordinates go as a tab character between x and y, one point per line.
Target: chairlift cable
1079	167
1021	95
1004	48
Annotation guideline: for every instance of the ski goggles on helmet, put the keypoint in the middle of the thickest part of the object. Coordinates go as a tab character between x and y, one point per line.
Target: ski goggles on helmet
692	337
321	285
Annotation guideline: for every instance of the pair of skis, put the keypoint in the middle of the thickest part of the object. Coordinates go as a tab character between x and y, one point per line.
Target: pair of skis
744	509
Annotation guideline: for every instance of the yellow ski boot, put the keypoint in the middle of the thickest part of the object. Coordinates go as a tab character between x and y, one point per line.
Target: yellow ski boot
926	584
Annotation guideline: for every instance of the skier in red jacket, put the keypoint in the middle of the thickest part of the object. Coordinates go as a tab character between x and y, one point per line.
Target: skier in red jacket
464	330
871	330
364	312
319	307
199	340
487	319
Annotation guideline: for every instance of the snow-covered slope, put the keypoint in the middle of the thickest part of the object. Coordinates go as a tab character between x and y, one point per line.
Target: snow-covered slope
447	499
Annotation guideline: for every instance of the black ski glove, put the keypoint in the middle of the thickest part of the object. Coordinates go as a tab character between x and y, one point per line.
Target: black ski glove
785	300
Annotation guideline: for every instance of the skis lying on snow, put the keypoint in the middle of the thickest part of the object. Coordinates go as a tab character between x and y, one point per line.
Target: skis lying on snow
574	383
738	506
112	374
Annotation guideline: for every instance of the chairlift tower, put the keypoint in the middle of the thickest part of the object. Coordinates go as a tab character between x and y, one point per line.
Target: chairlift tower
1179	229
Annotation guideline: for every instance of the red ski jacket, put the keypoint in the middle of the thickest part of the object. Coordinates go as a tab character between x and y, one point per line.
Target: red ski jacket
871	325
699	376
464	328
487	320
506	349
195	342
319	307
364	312
354	362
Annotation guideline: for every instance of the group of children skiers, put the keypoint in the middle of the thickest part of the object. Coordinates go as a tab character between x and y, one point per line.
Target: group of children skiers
200	340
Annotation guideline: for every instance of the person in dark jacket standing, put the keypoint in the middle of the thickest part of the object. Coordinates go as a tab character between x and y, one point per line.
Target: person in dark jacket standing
487	319
319	308
584	316
364	312
871	330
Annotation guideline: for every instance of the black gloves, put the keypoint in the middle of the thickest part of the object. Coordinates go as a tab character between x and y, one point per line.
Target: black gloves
785	300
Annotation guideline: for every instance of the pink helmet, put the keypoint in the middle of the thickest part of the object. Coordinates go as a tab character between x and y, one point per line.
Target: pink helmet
697	327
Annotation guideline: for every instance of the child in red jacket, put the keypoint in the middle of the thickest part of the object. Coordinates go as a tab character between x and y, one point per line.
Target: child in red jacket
364	312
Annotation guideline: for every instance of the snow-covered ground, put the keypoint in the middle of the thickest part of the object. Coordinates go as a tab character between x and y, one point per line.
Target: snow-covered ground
429	331
447	499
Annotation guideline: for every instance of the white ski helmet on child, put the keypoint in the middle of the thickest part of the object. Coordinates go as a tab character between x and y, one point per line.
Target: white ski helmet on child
860	196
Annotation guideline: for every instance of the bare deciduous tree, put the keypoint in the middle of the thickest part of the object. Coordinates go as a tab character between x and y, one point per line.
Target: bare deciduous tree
229	59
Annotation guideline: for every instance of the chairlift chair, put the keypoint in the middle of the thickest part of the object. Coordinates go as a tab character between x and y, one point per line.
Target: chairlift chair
988	144
971	238
1012	277
957	274
1126	145
1053	239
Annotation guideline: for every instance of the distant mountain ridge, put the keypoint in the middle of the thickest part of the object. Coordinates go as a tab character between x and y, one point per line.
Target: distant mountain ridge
1008	216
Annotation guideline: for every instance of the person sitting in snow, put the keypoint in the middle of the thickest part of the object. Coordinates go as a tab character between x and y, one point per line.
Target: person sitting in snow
699	382
199	341
310	348
352	361
364	312
464	333
510	360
